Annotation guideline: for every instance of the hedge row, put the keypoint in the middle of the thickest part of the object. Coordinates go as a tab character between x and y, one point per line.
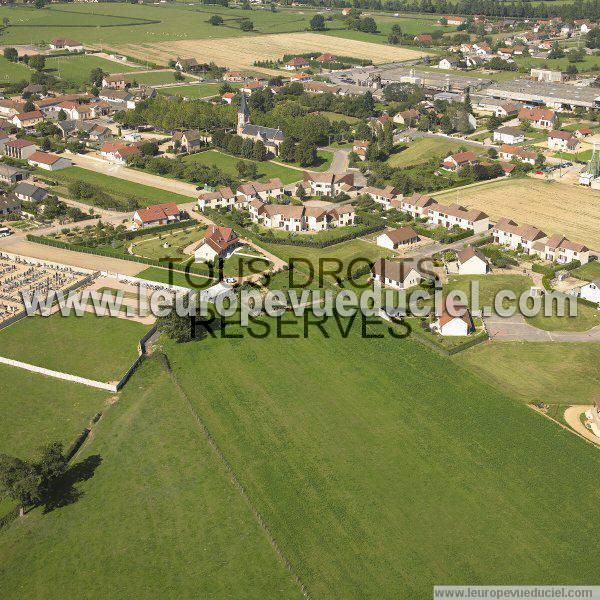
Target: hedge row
445	239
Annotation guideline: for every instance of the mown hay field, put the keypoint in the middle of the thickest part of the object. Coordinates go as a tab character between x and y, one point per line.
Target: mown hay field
554	207
241	53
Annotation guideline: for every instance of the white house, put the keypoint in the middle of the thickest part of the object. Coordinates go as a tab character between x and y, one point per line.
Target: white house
562	140
561	250
471	261
66	44
458	216
117	152
27	119
591	291
218	242
223	198
262	191
328	184
383	196
157	214
454	321
449	64
509	135
48	162
400	275
394	238
416	205
507	233
508	152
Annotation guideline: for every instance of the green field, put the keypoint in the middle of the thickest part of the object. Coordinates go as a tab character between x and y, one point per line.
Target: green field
425	149
77	68
156	77
554	373
116	187
200	90
39	410
11	72
99	348
588	272
589	63
227	163
156	518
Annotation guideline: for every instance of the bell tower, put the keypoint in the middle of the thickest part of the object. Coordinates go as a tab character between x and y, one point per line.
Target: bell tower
243	115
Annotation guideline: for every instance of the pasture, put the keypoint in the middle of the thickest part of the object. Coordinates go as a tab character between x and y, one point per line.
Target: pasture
77	68
155	514
554	207
114	186
241	53
350	474
11	72
193	91
37	410
426	149
157	77
100	348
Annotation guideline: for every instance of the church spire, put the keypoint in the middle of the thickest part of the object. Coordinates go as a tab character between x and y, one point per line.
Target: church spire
243	113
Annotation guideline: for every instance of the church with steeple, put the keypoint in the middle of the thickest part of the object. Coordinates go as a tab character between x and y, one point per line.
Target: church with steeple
269	136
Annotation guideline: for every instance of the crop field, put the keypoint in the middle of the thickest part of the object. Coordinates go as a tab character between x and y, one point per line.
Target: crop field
554	207
115	186
241	53
38	410
77	68
426	149
155	514
100	348
227	163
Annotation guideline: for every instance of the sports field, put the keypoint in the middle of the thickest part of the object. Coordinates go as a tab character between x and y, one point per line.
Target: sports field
39	410
554	207
426	149
77	68
241	53
227	163
100	348
114	186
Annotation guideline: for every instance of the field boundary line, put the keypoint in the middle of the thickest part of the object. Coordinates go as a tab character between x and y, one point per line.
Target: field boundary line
234	478
563	426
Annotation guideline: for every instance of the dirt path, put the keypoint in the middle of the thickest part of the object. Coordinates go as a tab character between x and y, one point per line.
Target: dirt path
572	417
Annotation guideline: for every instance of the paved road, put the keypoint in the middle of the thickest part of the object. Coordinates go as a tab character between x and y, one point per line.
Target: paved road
339	163
515	328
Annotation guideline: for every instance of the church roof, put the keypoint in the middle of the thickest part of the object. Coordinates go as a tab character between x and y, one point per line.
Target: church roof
267	133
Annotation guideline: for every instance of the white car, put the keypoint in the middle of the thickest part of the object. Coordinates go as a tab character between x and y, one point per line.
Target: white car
5	232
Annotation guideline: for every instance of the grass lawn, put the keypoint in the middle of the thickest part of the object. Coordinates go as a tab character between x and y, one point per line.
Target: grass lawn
324	158
157	77
11	72
176	278
589	63
555	373
157	517
425	149
77	68
178	241
39	410
332	116
587	317
200	90
100	348
116	187
227	163
588	272
348	455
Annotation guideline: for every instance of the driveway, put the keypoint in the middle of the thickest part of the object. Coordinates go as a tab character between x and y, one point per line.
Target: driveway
515	328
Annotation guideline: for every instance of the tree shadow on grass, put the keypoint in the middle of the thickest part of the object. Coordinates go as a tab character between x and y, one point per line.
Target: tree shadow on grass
66	492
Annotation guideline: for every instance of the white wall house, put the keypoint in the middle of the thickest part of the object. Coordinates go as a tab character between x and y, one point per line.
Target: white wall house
48	162
591	291
383	196
222	198
509	135
471	261
395	238
459	216
507	233
399	275
563	140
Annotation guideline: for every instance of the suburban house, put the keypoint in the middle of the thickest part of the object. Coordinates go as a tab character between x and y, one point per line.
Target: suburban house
66	44
117	97
189	141
458	216
582	132
407	117
298	62
400	275
459	160
9	107
509	135
541	118
186	64
508	152
291	217
328	184
455	20
218	242
507	109
383	196
19	148
48	161
11	175
9	204
116	82
326	57
507	233
416	205
471	261
360	148
394	238
454	321
423	38
562	140
156	214
117	152
591	291
561	250
228	97
254	190
27	119
29	192
75	111
269	136
449	64
223	198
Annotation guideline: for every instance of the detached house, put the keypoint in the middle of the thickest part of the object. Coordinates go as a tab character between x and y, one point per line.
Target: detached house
459	160
186	64
509	135
455	320
399	275
66	44
458	216
472	261
506	109
394	238
407	117
117	152
27	119
29	192
48	161
562	140
218	242
223	198
508	152
540	118
156	214
116	82
298	62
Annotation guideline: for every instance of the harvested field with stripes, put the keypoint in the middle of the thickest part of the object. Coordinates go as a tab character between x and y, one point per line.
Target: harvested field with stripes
242	52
